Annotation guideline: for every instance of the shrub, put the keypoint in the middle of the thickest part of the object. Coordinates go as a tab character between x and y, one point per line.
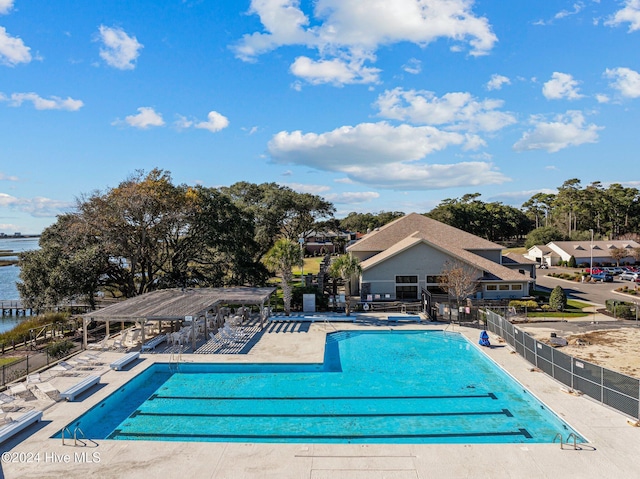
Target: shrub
572	262
59	349
558	299
520	304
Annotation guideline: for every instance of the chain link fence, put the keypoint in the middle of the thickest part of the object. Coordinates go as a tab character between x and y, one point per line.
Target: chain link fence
613	389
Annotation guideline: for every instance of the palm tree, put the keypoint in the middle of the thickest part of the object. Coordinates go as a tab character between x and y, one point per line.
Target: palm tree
345	267
280	259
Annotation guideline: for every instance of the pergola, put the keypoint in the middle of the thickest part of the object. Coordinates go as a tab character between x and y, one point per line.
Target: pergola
176	305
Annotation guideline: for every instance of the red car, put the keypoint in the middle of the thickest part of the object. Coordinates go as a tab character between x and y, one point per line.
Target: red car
595	270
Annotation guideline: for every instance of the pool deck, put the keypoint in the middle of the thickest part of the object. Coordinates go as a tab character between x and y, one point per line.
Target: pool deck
612	450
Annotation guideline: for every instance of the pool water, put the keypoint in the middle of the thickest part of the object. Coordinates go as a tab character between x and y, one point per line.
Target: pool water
373	387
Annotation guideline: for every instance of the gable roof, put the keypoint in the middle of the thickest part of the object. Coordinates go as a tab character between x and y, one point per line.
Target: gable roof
492	270
429	229
516	258
603	247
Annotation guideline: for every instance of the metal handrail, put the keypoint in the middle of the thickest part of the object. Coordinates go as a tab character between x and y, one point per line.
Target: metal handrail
75	436
575	438
62	433
559	435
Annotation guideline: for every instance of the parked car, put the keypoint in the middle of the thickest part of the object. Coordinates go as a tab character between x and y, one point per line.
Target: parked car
630	277
595	271
603	277
543	266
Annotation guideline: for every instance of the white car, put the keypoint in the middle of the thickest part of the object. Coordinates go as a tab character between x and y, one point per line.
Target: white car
630	277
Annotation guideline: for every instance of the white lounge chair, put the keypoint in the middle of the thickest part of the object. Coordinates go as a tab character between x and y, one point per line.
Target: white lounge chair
102	344
62	366
48	390
34	378
19	390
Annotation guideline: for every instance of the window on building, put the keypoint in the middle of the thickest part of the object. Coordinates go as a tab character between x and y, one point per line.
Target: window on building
516	287
503	287
491	287
434	279
406	292
406	279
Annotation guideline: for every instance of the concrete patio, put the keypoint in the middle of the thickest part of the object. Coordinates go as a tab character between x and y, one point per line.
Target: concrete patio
611	451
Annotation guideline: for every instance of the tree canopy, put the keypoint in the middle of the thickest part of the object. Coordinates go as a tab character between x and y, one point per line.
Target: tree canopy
144	234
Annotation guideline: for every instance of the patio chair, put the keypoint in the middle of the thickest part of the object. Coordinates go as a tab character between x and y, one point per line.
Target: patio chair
34	378
48	390
62	366
102	344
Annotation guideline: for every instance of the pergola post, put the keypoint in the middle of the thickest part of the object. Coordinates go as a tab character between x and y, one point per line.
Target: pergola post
84	332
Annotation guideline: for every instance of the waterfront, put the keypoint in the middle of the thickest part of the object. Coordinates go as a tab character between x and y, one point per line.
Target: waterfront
9	275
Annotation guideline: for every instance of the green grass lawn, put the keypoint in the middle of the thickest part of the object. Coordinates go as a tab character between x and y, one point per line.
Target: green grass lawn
311	265
4	361
574	308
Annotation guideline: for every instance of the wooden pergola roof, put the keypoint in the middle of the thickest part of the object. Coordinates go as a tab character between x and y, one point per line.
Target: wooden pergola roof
175	304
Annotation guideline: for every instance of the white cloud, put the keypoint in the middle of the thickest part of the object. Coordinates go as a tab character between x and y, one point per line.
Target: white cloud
118	49
601	98
38	207
509	197
12	49
346	181
497	81
457	111
382	155
413	66
305	188
53	103
4	177
145	118
626	81
352	197
630	13
561	85
5	6
346	35
567	130
215	122
336	71
577	8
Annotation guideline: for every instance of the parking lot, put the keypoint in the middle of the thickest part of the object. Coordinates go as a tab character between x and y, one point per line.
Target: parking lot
597	292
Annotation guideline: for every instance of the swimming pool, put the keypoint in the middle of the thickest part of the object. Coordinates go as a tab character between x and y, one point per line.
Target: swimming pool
373	387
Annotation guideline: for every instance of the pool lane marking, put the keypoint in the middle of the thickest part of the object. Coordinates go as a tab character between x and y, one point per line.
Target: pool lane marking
119	433
504	412
318	398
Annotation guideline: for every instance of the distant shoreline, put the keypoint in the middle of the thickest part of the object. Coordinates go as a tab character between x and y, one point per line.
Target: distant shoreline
18	237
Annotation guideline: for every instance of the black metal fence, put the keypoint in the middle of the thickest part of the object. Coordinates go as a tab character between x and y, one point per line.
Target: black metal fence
616	390
28	364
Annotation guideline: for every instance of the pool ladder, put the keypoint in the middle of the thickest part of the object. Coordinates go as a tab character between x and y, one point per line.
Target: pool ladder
569	437
75	436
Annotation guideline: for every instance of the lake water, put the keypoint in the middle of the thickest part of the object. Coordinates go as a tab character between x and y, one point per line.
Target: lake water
9	275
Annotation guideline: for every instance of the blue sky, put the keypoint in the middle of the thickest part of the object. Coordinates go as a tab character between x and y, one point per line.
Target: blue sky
374	105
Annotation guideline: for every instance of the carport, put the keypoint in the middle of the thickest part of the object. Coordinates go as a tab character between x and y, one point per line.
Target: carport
177	305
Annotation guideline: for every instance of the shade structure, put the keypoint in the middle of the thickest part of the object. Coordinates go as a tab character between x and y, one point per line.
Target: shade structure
177	304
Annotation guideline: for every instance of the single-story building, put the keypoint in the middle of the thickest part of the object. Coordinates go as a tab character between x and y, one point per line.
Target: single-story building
410	254
585	252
